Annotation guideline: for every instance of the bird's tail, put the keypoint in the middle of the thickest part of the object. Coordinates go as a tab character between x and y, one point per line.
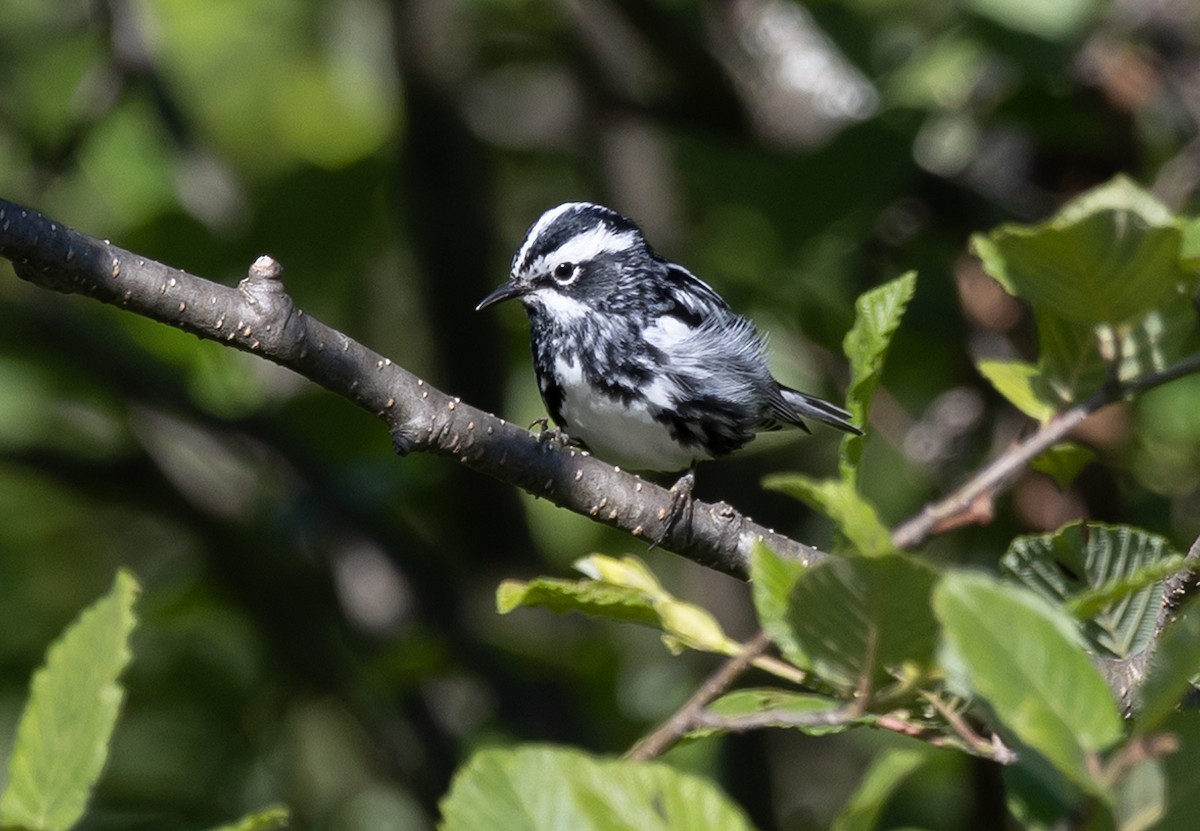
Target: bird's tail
818	409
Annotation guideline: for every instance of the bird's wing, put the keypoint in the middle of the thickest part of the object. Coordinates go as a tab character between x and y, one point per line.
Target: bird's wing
693	297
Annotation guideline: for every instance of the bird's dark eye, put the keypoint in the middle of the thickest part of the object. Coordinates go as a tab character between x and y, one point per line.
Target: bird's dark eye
564	273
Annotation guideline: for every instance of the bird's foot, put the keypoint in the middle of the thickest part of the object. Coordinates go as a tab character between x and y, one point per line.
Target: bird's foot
553	436
679	507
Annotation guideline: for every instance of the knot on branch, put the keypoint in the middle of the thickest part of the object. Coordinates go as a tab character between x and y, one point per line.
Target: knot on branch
265	293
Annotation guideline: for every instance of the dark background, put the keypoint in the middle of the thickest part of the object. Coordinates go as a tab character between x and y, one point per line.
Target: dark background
318	621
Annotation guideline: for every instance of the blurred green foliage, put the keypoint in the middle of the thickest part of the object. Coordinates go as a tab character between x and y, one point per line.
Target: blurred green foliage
317	623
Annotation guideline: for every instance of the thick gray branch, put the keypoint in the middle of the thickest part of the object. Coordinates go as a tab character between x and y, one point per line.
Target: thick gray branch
259	317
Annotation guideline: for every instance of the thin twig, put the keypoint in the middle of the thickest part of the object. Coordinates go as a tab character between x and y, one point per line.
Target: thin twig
683	720
972	501
992	749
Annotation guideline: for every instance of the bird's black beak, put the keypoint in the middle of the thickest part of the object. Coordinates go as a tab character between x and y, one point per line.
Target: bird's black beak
506	291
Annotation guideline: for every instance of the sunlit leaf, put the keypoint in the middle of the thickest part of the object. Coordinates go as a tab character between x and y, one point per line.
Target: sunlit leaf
839	499
877	316
1027	659
63	736
625	591
588	597
539	788
1017	381
1109	576
1106	257
1109	290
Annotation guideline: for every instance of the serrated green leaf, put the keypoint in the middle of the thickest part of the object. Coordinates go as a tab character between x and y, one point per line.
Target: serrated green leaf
772	579
1109	287
840	500
62	738
771	700
1063	462
887	772
1091	603
1110	576
539	788
1108	256
864	619
1017	381
877	316
1175	662
588	597
274	818
1026	658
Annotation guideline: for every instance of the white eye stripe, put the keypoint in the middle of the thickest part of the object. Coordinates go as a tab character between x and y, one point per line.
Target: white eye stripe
586	246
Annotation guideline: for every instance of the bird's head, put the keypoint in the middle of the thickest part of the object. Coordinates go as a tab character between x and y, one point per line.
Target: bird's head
572	259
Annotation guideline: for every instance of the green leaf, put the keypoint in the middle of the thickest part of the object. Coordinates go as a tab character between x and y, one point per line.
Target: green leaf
877	316
1141	798
772	579
1189	255
1183	774
865	620
1063	462
1017	381
1027	659
840	500
1108	576
1109	288
1176	661
62	738
1108	256
771	700
539	788
589	597
274	818
627	591
886	773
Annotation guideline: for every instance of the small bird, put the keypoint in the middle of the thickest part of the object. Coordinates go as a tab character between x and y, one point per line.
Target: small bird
638	359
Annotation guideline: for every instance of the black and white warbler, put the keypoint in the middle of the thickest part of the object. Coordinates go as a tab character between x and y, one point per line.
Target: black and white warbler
638	359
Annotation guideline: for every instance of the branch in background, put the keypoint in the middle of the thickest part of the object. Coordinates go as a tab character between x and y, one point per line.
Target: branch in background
260	317
972	502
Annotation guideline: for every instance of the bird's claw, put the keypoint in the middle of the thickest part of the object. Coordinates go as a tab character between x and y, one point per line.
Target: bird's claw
553	436
679	507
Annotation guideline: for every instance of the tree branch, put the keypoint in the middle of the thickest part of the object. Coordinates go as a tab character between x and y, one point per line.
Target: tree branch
1126	675
685	719
258	316
972	502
